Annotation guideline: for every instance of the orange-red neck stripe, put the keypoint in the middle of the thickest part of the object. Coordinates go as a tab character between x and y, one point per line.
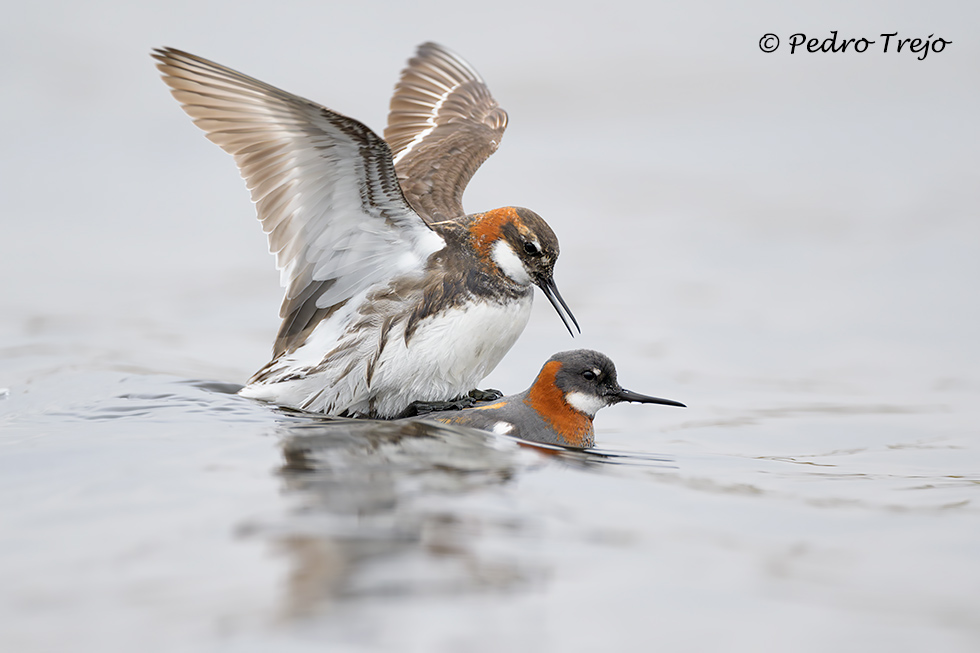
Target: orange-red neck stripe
574	429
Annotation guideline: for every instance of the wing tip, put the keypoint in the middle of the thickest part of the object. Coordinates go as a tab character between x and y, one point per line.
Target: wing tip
445	59
166	54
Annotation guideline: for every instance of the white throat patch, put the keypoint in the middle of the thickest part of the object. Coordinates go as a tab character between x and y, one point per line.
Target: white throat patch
588	404
509	263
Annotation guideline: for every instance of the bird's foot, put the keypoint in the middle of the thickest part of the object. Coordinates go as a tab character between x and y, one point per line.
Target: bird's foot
485	395
417	408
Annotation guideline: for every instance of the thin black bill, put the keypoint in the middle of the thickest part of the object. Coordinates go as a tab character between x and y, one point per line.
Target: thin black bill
550	291
629	395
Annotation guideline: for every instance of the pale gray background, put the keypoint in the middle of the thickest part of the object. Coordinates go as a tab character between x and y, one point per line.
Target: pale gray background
790	244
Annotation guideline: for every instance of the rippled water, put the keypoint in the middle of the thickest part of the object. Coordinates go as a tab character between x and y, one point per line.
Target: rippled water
153	507
786	244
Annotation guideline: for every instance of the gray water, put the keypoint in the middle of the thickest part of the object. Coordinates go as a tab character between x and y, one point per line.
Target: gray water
789	244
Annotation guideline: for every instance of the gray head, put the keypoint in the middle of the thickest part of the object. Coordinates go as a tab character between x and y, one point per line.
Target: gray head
587	381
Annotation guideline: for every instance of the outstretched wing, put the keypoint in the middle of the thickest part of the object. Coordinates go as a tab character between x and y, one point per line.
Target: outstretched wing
323	184
443	123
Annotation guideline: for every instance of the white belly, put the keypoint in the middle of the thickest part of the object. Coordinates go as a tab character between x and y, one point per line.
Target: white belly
447	355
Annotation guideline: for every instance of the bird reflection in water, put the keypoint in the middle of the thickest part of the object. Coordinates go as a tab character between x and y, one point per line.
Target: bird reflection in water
411	508
392	509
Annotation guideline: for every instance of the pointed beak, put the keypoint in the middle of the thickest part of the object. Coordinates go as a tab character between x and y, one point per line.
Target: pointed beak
550	291
629	395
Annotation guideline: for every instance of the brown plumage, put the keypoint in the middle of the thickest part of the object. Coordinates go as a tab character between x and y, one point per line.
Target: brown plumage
392	293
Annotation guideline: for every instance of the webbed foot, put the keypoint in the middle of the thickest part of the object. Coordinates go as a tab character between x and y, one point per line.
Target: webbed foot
468	400
485	395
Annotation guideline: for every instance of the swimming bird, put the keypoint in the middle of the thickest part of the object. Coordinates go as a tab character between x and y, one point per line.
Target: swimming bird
393	294
559	406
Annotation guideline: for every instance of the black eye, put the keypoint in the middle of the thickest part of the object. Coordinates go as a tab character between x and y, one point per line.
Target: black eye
531	248
589	375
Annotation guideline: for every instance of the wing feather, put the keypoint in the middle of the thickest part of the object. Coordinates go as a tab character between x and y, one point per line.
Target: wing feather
324	187
443	123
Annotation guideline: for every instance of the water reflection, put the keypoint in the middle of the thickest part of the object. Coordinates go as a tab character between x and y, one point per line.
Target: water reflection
409	508
371	511
111	479
379	511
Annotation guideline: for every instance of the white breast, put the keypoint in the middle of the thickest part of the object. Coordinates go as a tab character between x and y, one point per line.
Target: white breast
447	355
